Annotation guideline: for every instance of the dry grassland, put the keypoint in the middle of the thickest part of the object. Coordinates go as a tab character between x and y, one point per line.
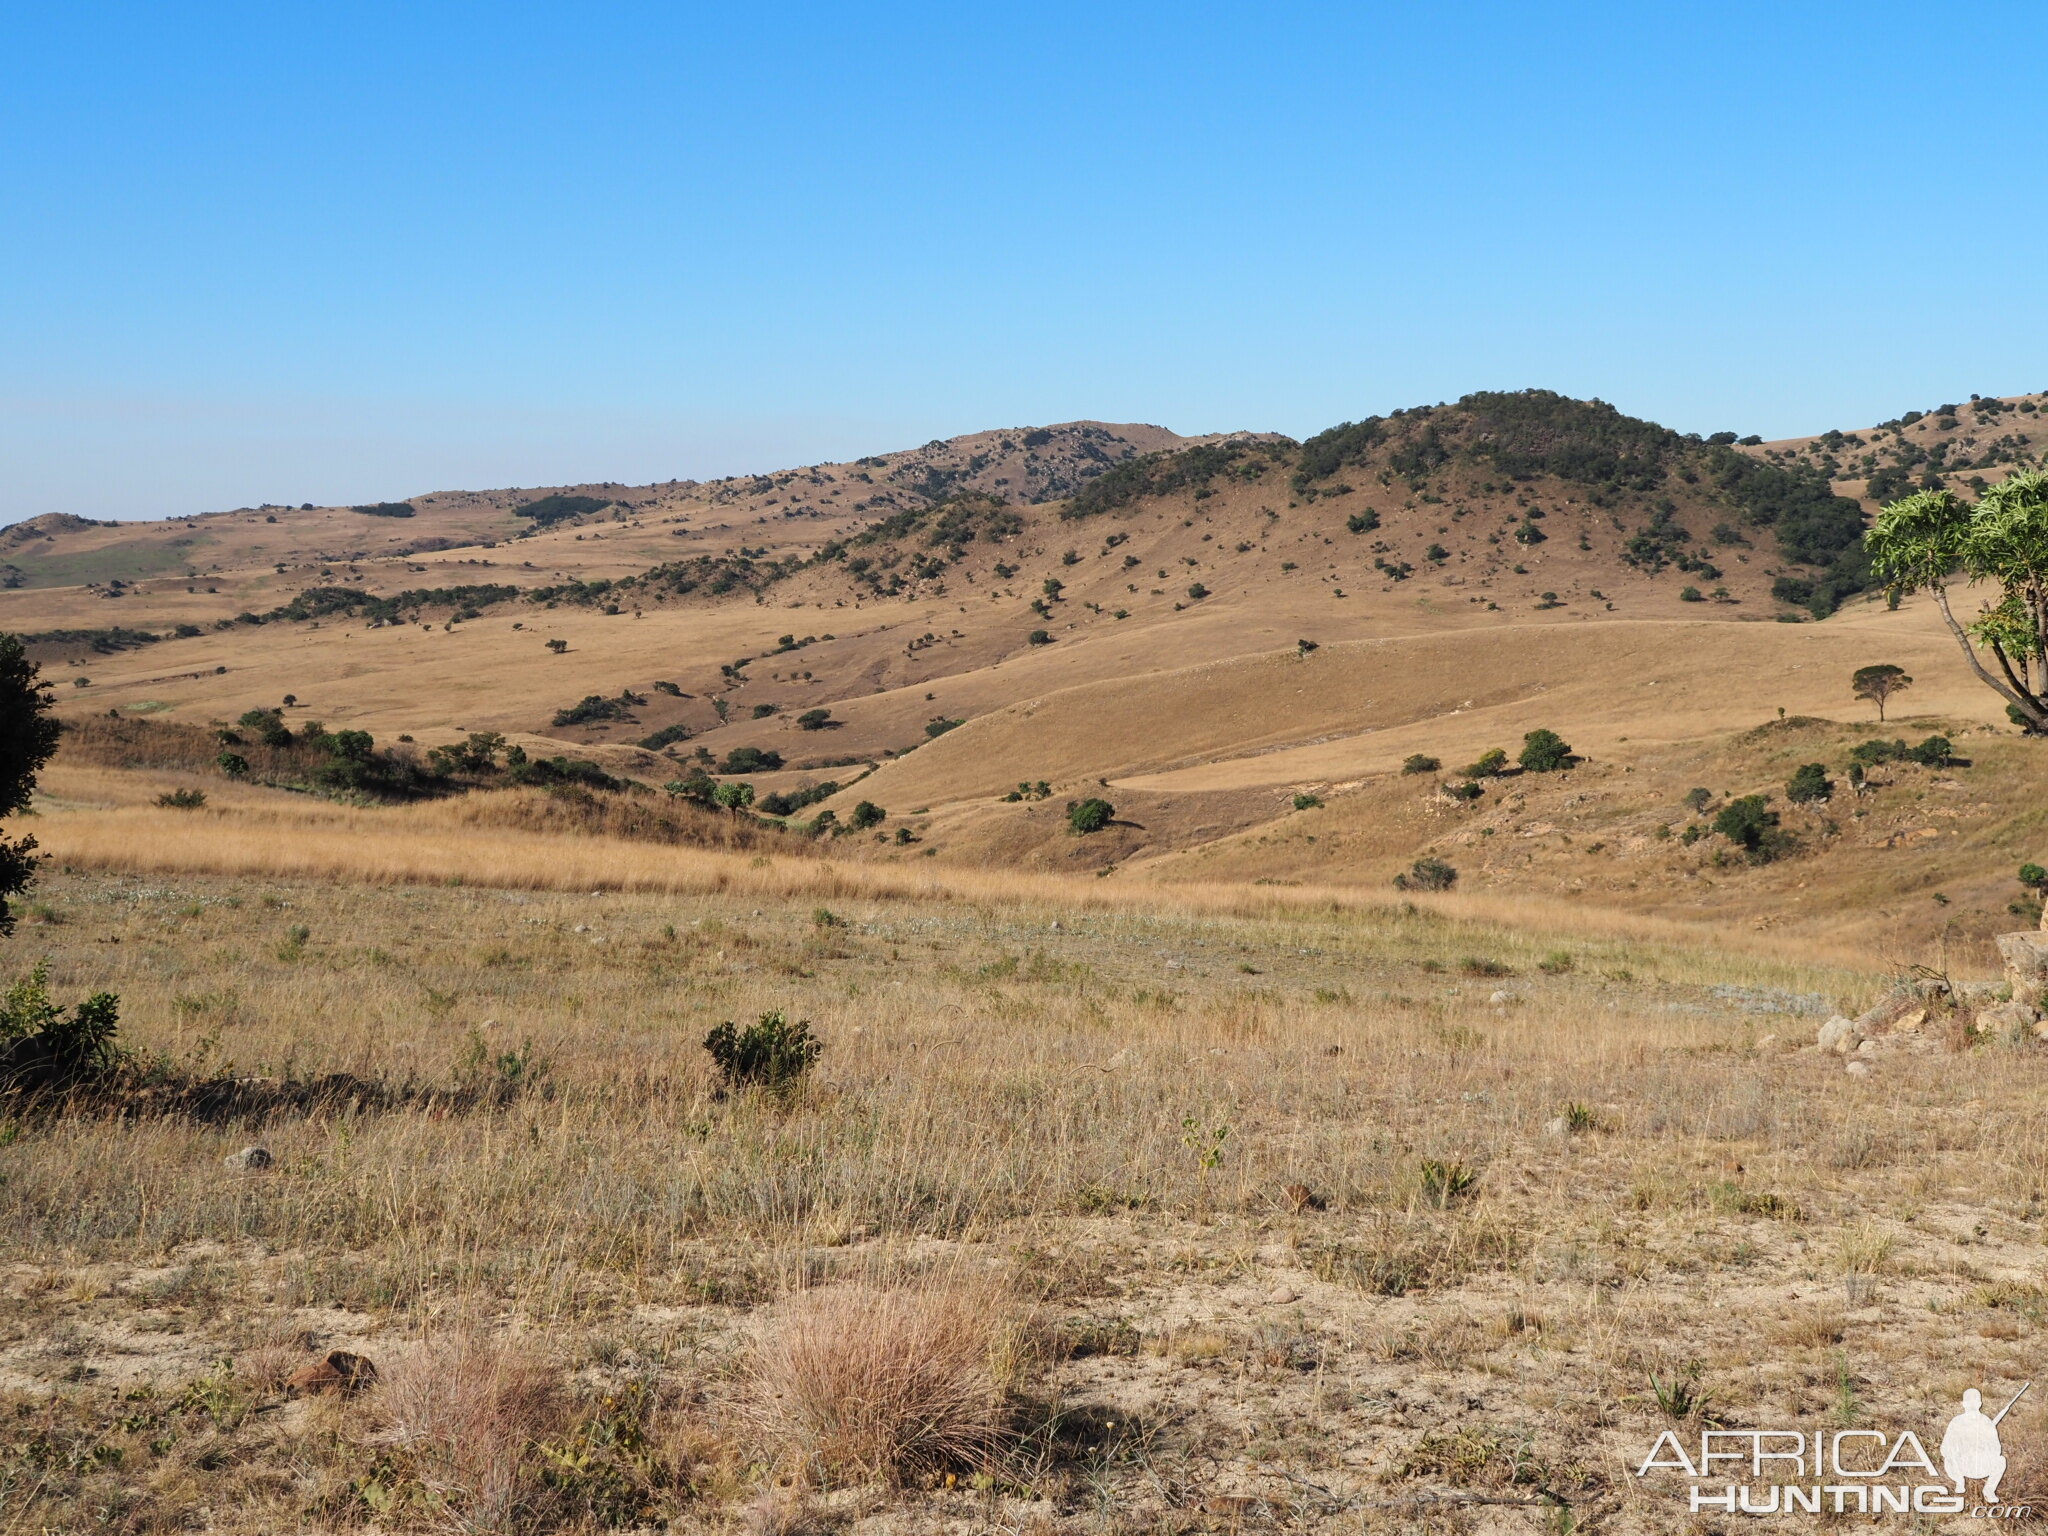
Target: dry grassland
1158	1213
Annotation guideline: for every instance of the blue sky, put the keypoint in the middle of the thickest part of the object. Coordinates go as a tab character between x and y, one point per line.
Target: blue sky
286	252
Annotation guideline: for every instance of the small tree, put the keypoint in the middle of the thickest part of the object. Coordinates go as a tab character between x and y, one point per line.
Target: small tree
734	798
558	646
1878	684
1427	874
866	814
1091	815
1420	762
1931	538
1544	751
1752	826
1809	785
1488	766
28	738
772	1053
2034	878
814	719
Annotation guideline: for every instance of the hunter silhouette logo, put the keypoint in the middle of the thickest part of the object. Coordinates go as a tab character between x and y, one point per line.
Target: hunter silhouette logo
1970	1447
1841	1471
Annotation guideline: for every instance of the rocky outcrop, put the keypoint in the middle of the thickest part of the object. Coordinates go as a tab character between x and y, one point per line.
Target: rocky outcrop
2026	966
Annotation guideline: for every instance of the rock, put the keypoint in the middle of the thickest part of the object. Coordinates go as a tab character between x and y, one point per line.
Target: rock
1867	1048
1907	1023
1859	1068
1558	1127
248	1158
1282	1295
1501	998
1766	1043
2008	1021
1840	1035
339	1372
2026	965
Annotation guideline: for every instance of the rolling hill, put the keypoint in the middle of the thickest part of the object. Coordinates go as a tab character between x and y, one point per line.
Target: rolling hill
1201	629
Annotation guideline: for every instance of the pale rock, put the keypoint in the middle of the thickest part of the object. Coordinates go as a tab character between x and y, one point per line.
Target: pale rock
1558	1127
1840	1035
1283	1295
1910	1022
2007	1020
1859	1068
248	1159
1502	998
1766	1043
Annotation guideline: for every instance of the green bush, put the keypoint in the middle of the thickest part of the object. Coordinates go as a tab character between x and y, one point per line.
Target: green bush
1306	802
269	726
1753	827
233	764
1544	751
814	720
1810	784
1934	752
866	814
1427	874
1363	522
1420	762
1039	637
1091	815
771	1053
182	799
2034	877
751	760
43	1048
938	725
1488	766
666	736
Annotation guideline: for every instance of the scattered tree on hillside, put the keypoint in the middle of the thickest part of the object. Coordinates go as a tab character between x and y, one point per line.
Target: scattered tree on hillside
866	814
1809	784
814	719
734	798
1489	765
1544	751
1752	826
28	737
1091	815
1879	684
1420	762
1929	539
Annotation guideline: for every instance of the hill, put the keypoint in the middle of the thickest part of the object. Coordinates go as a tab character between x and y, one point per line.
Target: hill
1199	628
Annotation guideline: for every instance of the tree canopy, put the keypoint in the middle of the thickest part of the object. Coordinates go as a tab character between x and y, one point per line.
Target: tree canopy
1879	683
28	737
1932	538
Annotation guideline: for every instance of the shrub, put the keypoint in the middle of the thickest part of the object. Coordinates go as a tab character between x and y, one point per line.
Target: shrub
182	799
1467	790
814	720
43	1048
1697	800
1752	826
1306	802
1197	591
1091	815
668	735
1039	637
1362	522
1934	752
1420	762
269	726
1488	766
891	1384
1691	595
866	814
770	1053
1544	751
558	646
751	760
2034	877
939	725
1810	784
1427	874
233	764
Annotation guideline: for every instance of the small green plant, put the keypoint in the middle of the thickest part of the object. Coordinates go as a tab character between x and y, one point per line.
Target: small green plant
182	799
825	917
41	1046
1579	1118
1482	966
1207	1145
1810	785
1427	874
1557	963
2034	877
1680	1397
1489	765
233	764
1420	762
1444	1184
1091	815
769	1053
1306	802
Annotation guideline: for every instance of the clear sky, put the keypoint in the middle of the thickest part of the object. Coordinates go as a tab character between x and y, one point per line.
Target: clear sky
281	251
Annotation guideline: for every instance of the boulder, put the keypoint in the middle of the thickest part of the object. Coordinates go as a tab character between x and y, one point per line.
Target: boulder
2026	965
1859	1068
2007	1021
1840	1035
248	1159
